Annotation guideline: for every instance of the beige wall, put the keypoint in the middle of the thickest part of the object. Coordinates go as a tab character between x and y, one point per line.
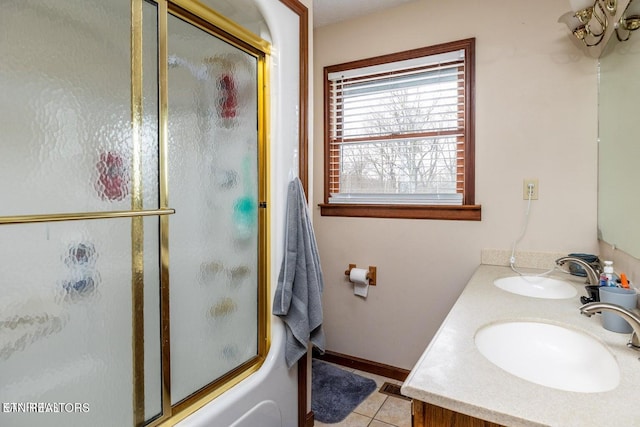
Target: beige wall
536	99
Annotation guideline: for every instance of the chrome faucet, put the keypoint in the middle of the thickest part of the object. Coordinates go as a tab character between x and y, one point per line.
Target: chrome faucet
593	276
632	318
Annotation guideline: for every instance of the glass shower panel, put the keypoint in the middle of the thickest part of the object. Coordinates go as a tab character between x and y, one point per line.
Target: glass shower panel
150	104
152	342
65	109
213	170
243	12
150	185
65	322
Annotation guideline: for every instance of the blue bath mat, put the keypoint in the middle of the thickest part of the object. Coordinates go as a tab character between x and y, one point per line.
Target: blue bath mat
336	392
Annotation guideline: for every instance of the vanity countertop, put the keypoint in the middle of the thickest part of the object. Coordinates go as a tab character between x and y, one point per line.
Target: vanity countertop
451	373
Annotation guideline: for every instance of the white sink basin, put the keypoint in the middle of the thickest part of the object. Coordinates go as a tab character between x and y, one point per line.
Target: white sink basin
549	355
537	287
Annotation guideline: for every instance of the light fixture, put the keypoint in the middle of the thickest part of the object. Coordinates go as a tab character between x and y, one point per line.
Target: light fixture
593	21
629	21
589	20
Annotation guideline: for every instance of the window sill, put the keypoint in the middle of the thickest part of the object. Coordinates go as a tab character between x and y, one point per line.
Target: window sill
458	213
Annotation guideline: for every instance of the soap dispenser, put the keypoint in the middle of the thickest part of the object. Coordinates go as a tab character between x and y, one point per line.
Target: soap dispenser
608	272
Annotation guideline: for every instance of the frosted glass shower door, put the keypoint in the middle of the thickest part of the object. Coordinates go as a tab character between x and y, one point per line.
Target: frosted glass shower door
213	173
71	333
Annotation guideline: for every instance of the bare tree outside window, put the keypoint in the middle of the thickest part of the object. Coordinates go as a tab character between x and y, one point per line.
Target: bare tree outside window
396	164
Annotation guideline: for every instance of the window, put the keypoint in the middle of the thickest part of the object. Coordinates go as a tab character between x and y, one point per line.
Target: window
399	136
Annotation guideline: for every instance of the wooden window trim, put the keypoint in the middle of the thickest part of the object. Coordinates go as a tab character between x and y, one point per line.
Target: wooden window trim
451	212
468	211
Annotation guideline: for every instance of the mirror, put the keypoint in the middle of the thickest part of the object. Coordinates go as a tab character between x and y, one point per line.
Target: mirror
619	146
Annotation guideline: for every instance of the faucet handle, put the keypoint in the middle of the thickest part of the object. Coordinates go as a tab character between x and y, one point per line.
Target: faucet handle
586	300
634	342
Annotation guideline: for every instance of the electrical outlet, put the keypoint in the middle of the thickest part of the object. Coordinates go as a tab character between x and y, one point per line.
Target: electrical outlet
525	189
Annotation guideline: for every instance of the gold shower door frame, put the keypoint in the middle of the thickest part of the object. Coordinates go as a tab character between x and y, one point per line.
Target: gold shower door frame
218	26
222	28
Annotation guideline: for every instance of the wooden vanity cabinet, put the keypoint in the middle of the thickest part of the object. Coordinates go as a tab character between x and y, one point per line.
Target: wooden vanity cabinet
427	415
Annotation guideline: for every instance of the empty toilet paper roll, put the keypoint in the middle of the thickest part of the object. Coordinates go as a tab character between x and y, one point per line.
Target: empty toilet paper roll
360	282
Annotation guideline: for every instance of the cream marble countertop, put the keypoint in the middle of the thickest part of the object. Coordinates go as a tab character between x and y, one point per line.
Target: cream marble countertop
452	373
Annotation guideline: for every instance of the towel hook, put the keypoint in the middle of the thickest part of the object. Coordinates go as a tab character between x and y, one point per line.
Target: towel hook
293	172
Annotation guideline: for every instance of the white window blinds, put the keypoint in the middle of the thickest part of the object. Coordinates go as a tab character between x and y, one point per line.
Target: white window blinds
397	132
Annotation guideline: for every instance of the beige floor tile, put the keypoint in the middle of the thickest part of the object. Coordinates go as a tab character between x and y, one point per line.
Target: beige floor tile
371	404
395	411
352	420
376	423
377	378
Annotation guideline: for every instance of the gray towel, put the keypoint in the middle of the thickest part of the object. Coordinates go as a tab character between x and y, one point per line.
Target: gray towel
298	297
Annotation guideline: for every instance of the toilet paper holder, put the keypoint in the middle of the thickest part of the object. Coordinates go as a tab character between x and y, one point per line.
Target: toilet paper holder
371	275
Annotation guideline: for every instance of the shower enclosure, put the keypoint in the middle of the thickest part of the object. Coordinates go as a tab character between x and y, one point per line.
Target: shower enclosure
133	220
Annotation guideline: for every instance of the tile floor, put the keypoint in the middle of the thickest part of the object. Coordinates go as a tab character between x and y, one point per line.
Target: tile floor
377	410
